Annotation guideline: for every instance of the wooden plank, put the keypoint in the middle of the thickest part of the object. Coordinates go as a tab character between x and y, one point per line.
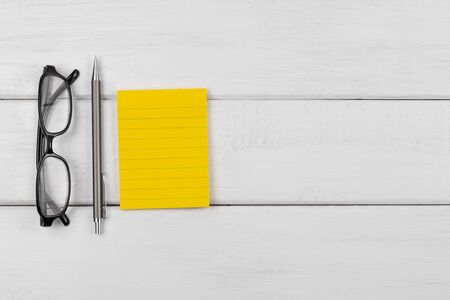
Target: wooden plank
229	253
319	49
268	152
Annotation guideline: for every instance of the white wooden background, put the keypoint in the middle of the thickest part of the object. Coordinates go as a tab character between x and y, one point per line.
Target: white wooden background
329	137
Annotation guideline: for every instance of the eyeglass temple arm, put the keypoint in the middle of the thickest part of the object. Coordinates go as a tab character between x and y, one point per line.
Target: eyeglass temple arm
73	76
70	79
64	219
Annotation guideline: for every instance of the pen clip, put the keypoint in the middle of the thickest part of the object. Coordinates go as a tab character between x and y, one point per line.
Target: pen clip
103	197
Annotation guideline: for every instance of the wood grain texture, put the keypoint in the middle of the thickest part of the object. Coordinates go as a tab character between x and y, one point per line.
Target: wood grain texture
262	49
268	152
229	253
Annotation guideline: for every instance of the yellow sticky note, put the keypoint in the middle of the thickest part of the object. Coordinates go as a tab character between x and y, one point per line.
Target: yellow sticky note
163	148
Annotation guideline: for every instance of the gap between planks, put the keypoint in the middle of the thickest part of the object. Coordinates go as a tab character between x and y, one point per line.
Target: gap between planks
263	98
268	205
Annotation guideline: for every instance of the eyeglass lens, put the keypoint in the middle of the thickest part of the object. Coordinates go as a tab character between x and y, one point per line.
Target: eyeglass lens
55	103
53	186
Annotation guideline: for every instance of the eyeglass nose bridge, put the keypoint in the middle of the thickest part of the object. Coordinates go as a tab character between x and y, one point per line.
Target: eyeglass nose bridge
49	145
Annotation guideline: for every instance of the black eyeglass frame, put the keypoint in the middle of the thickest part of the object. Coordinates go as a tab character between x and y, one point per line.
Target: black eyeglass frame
44	148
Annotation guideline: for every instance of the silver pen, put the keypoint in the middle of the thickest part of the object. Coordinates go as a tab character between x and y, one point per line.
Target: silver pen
97	175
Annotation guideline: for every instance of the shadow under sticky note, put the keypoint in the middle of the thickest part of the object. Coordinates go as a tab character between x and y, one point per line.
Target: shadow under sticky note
163	148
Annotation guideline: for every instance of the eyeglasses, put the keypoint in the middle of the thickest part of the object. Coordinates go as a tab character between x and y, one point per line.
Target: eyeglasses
53	183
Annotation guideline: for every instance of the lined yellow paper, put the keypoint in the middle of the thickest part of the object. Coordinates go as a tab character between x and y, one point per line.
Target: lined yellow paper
163	148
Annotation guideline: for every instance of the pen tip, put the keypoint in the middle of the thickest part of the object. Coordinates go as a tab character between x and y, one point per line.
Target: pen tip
95	71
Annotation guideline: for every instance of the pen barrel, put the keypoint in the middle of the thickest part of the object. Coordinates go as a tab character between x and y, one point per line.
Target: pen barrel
96	151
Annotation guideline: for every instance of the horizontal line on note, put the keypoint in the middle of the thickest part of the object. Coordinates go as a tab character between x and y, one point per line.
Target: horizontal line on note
161	107
156	158
169	168
163	148
163	138
158	178
167	118
145	128
165	198
168	188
